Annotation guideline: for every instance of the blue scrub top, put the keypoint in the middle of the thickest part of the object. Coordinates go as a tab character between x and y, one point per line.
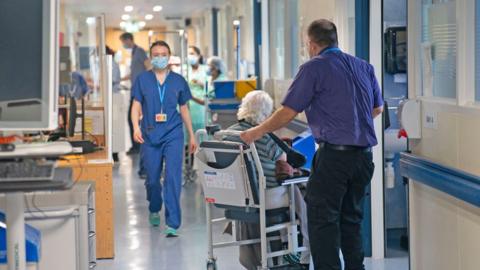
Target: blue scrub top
146	91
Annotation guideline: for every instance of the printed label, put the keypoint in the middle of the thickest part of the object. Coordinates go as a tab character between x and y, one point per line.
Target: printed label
219	180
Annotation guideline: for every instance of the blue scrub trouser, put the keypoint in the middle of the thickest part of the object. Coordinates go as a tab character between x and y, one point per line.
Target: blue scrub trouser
170	153
141	163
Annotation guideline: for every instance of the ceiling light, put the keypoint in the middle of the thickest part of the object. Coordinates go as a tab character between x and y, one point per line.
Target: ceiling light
148	17
90	20
157	8
150	33
142	24
128	8
123	24
236	22
125	17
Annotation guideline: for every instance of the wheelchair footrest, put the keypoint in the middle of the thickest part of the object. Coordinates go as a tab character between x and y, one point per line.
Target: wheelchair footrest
274	216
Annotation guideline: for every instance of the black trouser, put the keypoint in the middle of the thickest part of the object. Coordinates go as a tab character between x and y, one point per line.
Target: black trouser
135	145
335	196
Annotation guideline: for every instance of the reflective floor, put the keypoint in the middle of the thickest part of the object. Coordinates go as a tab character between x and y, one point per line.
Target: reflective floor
140	247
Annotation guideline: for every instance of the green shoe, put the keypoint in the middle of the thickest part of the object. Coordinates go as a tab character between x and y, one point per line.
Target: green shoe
154	219
170	232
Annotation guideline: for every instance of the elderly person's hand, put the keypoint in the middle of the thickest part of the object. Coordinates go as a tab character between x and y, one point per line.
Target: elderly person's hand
251	135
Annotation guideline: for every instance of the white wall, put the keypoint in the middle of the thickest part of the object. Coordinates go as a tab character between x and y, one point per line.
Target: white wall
444	231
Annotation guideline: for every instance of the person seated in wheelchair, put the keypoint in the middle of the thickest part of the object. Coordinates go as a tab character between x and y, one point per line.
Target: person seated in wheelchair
255	108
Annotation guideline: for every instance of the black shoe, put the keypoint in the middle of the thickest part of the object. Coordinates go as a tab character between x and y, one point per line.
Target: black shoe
142	175
133	151
115	157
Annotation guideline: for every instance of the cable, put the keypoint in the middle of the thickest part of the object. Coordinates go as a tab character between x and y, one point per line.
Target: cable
94	137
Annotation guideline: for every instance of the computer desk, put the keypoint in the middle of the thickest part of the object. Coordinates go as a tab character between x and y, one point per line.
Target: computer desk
97	167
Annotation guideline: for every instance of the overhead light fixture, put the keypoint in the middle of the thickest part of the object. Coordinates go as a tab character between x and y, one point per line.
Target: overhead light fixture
150	33
90	20
157	8
128	8
142	24
148	17
125	17
236	22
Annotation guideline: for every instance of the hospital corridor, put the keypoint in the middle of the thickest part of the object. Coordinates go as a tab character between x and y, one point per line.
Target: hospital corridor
239	134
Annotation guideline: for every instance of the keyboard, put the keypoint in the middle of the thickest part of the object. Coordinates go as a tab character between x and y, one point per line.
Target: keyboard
26	171
33	150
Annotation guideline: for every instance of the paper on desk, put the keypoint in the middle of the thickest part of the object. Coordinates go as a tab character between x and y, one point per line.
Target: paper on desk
93	123
98	161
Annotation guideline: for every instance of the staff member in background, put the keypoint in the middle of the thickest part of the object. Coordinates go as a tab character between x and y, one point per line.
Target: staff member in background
139	64
115	82
341	97
197	74
216	70
157	94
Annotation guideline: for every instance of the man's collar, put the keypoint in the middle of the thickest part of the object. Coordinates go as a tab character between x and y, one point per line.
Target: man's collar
327	49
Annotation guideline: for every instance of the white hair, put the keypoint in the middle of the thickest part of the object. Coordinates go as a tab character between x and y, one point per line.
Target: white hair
256	107
218	63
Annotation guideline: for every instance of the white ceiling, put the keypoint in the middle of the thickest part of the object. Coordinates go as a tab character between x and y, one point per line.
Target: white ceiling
114	9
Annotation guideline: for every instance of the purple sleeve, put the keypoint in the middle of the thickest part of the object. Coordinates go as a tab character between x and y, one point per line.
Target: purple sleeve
136	91
301	92
377	93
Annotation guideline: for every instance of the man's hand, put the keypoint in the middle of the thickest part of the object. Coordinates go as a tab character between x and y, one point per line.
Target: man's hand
137	136
193	146
251	135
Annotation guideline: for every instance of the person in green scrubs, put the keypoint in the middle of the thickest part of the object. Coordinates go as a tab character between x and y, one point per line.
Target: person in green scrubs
197	76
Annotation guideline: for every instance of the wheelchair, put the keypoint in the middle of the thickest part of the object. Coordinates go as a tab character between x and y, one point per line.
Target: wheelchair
232	178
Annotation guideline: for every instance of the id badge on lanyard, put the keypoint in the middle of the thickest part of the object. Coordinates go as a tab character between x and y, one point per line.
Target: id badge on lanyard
161	117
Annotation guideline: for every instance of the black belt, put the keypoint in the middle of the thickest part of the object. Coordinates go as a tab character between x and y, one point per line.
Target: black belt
337	147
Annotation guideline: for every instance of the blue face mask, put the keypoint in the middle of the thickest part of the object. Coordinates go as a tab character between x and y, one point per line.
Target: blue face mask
160	62
192	60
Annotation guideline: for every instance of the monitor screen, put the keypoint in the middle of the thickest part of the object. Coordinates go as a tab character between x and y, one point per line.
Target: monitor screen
28	60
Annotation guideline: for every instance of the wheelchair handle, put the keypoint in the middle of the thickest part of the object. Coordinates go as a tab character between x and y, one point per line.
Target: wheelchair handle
227	133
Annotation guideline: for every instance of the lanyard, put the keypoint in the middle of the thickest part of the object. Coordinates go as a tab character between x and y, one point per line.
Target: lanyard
333	49
161	92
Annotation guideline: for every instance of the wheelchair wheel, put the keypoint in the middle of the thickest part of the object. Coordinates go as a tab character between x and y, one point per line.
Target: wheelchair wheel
212	265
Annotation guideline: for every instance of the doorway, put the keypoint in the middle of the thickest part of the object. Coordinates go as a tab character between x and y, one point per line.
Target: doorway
395	90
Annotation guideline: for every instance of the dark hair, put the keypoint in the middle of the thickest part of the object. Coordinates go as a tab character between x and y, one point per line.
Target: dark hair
160	43
197	51
126	36
109	51
323	32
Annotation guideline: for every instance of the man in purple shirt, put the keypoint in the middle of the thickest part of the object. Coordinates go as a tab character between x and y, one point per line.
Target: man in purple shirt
340	96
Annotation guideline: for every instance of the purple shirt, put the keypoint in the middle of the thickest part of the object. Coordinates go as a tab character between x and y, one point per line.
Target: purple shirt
338	93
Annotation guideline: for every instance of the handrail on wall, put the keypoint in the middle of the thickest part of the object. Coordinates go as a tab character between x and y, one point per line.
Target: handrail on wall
457	183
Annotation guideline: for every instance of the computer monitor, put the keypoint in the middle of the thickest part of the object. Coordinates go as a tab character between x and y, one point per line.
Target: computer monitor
29	49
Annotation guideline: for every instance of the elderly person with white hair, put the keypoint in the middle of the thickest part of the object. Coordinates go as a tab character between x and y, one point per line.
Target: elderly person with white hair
255	108
216	70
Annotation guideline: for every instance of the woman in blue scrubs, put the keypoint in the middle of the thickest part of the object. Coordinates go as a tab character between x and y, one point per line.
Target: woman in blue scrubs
160	101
